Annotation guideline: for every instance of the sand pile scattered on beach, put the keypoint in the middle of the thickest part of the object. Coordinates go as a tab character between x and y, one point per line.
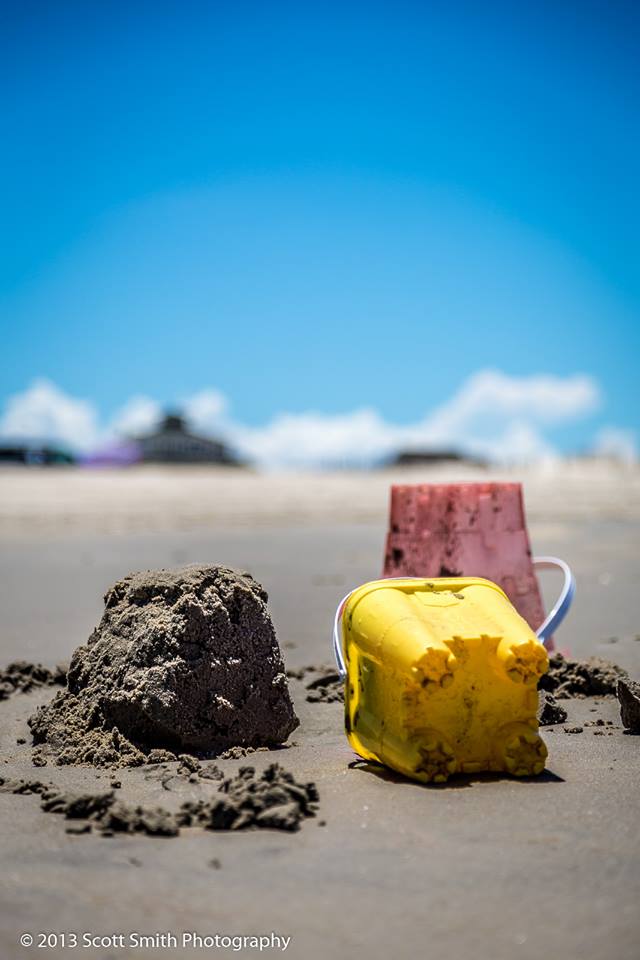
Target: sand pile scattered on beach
593	677
272	800
21	677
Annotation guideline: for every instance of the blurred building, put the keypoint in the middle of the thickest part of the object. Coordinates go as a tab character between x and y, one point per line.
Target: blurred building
33	454
172	442
410	458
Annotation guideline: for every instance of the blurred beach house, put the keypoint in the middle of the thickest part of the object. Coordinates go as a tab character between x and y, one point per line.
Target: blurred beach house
170	442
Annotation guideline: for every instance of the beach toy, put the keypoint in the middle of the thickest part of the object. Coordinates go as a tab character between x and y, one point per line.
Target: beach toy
440	677
466	529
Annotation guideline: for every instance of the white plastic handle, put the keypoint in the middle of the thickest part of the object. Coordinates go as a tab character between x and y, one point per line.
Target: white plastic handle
551	623
562	604
337	639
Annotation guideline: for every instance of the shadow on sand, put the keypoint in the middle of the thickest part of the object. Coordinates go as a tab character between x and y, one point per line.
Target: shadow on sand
457	782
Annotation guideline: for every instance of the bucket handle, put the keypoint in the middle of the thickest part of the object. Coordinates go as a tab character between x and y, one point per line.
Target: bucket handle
337	639
551	623
562	604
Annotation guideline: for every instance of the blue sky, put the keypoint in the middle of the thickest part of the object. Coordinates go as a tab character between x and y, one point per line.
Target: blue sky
322	208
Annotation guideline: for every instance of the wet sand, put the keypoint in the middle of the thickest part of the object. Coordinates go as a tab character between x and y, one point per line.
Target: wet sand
485	866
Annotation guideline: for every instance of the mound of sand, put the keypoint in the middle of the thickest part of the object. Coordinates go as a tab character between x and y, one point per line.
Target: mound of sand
593	677
182	659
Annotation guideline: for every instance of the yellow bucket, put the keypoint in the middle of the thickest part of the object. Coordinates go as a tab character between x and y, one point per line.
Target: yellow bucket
441	678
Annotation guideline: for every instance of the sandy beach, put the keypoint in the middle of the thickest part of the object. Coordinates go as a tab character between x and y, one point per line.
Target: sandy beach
186	498
262	264
484	866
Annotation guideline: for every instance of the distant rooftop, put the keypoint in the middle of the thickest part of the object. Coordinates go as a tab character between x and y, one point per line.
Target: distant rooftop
172	442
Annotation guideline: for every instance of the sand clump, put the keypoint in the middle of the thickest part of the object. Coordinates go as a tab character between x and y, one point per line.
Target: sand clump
581	678
99	810
550	711
325	685
628	692
271	800
188	770
182	661
21	677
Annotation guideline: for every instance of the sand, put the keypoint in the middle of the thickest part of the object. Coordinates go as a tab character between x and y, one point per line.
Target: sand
628	692
593	677
270	800
174	498
21	676
550	711
486	867
183	658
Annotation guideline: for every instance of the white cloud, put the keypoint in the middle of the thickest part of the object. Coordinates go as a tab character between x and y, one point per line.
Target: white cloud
204	410
44	412
138	416
518	442
491	396
315	438
492	415
616	444
501	417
